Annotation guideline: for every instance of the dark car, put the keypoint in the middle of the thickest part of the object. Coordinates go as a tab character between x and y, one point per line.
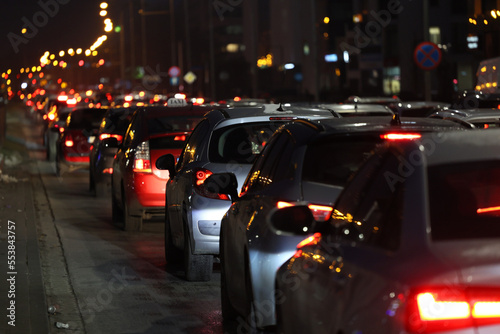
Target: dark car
113	125
305	161
411	247
137	186
74	143
56	124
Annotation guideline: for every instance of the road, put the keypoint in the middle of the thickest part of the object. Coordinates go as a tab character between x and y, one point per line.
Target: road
102	279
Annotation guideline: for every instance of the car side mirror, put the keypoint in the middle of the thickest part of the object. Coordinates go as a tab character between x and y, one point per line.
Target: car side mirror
110	142
222	183
292	220
166	162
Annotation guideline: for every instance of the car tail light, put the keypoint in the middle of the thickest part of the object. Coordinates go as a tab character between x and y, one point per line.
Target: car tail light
68	141
61	129
142	158
320	213
309	241
52	117
180	138
199	177
107	170
110	135
448	308
400	136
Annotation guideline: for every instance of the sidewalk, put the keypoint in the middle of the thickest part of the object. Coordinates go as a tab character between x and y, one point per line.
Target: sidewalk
22	295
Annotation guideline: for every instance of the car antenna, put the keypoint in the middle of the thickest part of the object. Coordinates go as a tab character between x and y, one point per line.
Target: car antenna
395	120
280	108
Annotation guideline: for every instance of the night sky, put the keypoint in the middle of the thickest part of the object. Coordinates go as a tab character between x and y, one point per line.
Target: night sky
62	25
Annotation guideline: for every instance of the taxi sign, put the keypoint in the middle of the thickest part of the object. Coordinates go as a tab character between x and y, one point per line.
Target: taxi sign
173	102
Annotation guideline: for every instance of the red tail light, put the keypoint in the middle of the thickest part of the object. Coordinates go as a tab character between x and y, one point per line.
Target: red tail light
199	177
142	158
110	135
320	213
68	141
310	241
180	138
447	308
400	136
107	170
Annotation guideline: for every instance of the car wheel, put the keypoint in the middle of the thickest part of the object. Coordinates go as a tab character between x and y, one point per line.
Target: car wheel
198	267
130	223
173	255
116	211
229	314
100	189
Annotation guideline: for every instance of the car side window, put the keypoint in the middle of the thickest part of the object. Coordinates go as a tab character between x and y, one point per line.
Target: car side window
370	210
189	152
275	155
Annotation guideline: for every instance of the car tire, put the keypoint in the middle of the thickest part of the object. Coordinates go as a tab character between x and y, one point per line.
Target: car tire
130	223
116	211
197	267
229	314
173	255
100	189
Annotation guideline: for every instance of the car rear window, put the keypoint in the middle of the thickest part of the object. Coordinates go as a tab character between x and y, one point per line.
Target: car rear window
240	143
172	123
116	123
170	141
85	118
333	161
464	200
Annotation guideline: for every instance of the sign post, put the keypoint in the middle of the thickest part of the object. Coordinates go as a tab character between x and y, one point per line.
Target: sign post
427	56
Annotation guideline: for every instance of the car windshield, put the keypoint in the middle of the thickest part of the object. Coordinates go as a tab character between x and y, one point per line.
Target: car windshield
241	143
172	123
333	161
85	118
464	200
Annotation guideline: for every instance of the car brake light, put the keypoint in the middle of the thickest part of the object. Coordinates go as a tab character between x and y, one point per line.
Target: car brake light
102	136
199	177
107	170
320	213
180	138
400	136
442	309
142	158
68	141
309	241
490	209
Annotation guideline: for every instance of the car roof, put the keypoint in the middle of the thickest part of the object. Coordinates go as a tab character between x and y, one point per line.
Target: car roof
267	110
375	123
468	114
452	147
159	111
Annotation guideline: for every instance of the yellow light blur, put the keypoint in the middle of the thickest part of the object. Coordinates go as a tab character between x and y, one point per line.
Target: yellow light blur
107	21
103	13
55	62
108	28
94	53
9	71
493	14
21	71
33	69
103	5
62	53
88	52
8	81
79	51
39	68
24	30
22	96
88	93
337	72
64	85
64	64
142	93
483	69
326	20
71	52
52	57
485	22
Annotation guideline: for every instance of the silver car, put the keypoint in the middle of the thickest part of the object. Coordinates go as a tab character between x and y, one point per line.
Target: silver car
305	161
481	118
226	140
412	245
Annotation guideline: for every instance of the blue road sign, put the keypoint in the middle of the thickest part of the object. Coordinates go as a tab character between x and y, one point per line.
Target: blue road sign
427	55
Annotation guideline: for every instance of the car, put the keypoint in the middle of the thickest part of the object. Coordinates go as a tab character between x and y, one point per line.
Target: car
481	118
137	186
73	144
418	108
227	139
305	161
113	125
411	245
357	110
56	124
